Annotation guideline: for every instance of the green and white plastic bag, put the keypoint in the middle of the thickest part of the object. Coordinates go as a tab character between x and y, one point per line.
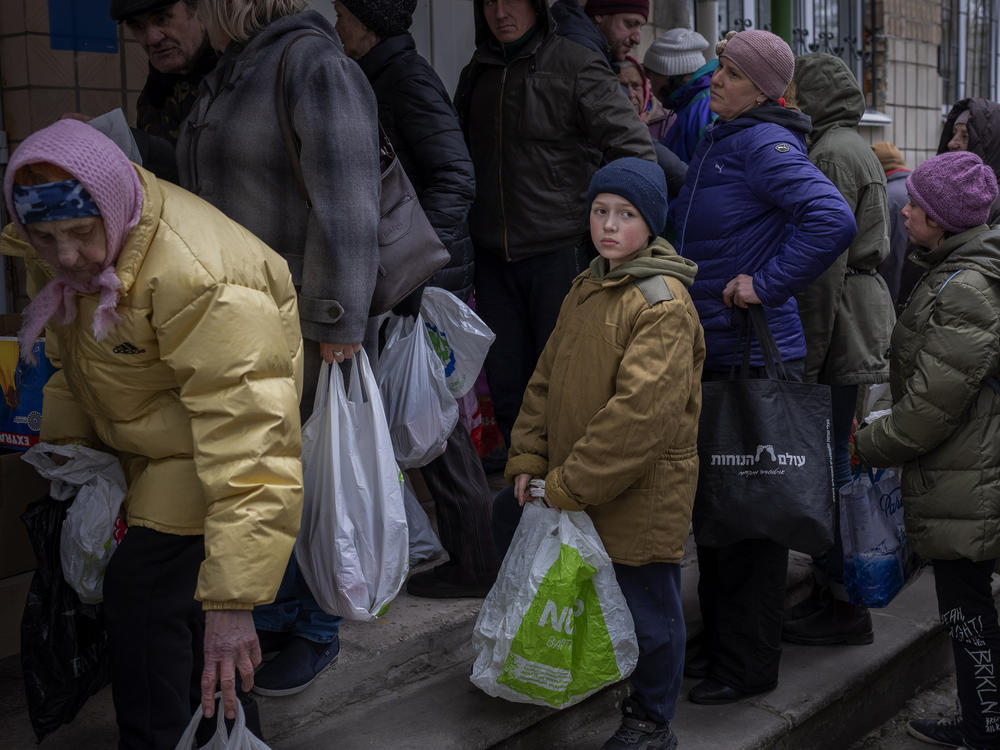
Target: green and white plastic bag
555	627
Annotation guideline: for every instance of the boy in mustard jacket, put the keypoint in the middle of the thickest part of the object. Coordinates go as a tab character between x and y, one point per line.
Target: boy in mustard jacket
610	421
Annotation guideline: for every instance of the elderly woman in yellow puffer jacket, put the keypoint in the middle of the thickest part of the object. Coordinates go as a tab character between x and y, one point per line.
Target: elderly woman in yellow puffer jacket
177	335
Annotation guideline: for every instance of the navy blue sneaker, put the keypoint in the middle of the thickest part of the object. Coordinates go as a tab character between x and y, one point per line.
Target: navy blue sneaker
295	667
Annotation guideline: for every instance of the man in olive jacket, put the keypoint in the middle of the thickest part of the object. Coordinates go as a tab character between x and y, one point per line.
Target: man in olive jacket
847	315
561	116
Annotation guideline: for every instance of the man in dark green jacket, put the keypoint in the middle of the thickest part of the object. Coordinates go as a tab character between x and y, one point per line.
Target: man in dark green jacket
847	315
541	114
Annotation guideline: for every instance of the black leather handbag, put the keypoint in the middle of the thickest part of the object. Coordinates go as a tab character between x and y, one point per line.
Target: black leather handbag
409	249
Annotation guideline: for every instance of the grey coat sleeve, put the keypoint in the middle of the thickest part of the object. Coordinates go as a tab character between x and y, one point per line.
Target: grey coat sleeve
335	118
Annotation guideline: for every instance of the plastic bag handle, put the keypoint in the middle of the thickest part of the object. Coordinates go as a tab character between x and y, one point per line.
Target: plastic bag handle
186	742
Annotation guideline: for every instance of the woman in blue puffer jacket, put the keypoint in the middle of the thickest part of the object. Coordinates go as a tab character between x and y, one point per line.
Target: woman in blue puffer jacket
761	222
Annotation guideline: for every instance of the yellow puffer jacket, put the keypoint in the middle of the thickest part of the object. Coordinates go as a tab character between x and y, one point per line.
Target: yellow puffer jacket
196	388
610	415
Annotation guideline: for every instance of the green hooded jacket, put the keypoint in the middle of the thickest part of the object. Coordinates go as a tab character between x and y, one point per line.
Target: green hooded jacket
610	415
944	427
847	313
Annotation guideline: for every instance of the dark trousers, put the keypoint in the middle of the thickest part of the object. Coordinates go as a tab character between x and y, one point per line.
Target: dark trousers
462	500
520	302
653	595
830	566
156	632
741	592
965	603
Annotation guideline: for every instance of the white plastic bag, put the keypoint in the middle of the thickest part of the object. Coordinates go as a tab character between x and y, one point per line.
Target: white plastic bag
92	530
555	627
240	738
459	337
352	544
424	543
420	409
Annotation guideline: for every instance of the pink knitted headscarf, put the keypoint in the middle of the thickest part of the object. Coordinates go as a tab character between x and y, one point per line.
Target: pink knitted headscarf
102	168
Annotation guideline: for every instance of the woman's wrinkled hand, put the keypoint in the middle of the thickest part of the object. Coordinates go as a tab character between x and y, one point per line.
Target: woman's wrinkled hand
739	292
231	645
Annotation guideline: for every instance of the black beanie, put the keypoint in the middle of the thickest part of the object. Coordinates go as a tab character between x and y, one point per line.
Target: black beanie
384	17
123	9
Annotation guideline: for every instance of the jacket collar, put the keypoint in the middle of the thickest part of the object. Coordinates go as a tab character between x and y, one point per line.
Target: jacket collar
379	56
931	258
139	240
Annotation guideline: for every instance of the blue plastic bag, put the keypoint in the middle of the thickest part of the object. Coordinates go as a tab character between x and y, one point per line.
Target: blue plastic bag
878	560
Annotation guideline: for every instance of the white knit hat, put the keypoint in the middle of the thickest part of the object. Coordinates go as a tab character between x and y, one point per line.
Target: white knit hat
676	52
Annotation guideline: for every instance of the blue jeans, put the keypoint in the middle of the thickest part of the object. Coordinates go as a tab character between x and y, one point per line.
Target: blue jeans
295	610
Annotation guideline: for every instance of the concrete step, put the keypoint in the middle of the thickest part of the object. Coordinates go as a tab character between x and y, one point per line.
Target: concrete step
827	698
402	682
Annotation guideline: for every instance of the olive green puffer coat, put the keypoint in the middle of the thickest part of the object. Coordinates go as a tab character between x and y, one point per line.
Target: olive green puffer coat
847	313
944	427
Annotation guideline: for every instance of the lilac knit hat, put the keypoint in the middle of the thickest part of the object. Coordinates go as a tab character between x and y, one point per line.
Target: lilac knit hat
102	168
766	59
955	189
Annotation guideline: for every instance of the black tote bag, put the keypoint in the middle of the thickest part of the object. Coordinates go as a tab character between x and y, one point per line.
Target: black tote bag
766	456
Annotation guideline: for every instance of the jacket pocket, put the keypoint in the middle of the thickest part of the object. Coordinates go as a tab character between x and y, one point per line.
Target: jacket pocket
546	108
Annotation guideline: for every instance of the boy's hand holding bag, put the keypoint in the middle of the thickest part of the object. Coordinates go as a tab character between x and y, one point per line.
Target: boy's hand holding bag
555	627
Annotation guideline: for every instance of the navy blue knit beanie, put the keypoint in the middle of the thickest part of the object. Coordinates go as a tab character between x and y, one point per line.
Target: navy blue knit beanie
638	181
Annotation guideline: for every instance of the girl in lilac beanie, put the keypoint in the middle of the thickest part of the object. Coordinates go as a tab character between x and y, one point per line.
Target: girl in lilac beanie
955	190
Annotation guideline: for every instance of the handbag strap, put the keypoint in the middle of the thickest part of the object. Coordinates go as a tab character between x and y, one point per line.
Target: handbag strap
292	144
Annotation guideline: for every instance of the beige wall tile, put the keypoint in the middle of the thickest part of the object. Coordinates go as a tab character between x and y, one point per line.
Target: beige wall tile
48	105
16	114
99	102
47	66
99	70
12	16
36	15
13	61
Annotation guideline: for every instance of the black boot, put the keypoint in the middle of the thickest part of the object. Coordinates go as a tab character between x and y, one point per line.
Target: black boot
819	598
836	623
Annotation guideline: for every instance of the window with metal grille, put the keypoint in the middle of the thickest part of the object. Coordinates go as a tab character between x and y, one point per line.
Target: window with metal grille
967	57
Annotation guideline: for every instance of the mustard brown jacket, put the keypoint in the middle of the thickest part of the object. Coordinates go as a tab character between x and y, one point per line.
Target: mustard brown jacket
944	427
196	389
610	415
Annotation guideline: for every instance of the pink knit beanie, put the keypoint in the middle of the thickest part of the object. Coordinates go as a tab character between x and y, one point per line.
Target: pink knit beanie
766	59
110	178
955	189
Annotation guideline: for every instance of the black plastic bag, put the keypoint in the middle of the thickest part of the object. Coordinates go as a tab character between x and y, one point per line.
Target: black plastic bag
64	647
766	457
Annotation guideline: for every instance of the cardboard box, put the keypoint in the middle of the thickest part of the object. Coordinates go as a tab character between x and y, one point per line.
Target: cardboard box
21	387
19	485
13	595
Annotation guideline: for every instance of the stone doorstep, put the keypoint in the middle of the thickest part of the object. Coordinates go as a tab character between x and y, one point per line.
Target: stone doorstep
827	698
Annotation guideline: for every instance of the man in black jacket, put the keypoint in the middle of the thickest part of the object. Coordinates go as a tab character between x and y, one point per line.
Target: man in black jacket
541	114
422	126
170	33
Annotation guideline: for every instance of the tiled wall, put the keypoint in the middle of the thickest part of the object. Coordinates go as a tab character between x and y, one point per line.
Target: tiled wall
913	91
40	83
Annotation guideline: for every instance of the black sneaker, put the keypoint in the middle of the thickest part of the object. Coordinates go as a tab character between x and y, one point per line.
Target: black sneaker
636	734
943	732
